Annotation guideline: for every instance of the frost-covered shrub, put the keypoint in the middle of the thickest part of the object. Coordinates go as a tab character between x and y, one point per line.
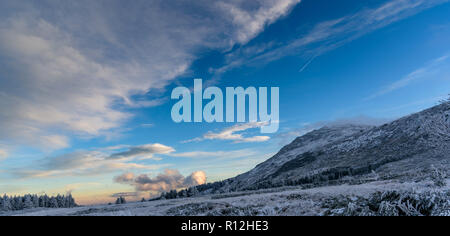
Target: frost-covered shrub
210	209
387	209
222	209
393	203
438	175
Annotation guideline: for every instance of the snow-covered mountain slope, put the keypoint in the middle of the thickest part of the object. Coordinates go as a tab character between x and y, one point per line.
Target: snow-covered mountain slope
310	142
403	148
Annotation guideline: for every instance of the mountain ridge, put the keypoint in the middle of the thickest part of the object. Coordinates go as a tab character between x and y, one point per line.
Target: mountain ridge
402	148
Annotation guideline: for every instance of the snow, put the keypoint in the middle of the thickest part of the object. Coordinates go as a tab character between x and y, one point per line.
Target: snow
283	201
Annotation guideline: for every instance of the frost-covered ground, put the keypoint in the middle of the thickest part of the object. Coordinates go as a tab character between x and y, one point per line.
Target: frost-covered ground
387	198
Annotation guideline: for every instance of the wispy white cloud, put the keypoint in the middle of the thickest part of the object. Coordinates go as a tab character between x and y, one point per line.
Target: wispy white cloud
431	70
70	74
144	151
214	154
232	134
328	35
251	22
126	195
82	163
55	141
149	125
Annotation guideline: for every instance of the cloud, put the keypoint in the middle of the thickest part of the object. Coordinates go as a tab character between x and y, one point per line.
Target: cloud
82	163
68	74
55	141
145	151
163	182
196	178
214	154
124	178
432	69
125	194
327	35
233	135
251	22
3	154
287	136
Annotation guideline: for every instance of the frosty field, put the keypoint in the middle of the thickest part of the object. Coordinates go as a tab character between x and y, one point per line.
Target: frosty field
287	201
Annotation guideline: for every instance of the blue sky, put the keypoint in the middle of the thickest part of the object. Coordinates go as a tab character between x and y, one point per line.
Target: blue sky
85	86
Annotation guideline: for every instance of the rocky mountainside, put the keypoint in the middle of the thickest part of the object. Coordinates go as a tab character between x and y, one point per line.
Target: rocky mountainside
405	148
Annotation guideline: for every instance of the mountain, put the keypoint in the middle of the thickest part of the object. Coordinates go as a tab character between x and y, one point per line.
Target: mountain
403	149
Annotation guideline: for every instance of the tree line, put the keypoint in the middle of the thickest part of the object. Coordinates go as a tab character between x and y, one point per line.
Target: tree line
8	203
190	192
209	188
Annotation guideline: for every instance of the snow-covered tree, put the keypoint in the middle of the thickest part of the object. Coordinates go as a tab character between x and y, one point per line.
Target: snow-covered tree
34	201
17	203
53	203
5	204
192	192
61	201
121	200
27	202
69	201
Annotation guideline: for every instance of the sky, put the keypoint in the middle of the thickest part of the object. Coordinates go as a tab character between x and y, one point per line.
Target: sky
85	86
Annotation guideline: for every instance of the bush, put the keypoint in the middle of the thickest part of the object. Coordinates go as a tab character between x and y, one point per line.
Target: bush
438	176
394	203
